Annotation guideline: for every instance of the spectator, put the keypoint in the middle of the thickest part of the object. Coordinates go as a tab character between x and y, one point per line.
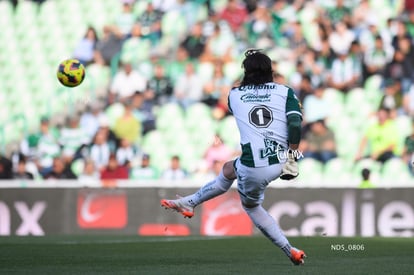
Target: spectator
126	19
382	138
21	172
150	21
324	58
136	48
72	137
408	101
189	87
145	171
410	22
125	153
297	43
143	110
366	182
408	150
109	46
174	172
341	38
99	150
128	127
114	170
258	25
213	88
376	58
217	151
160	85
319	142
344	75
126	82
176	67
5	168
313	68
221	109
369	33
305	87
408	5
110	135
316	106
339	13
401	66
89	173
235	14
361	13
278	21
393	97
195	42
60	170
220	46
85	49
42	146
89	120
295	79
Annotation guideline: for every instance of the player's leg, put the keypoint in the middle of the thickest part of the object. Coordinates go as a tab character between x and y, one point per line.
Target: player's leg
251	186
185	205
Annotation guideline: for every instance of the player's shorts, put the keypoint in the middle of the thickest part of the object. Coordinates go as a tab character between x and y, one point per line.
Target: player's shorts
252	181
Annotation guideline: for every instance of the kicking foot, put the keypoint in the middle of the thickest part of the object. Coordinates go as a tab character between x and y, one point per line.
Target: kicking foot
297	256
184	209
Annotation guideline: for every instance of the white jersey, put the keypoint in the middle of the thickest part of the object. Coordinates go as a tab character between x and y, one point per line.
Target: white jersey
261	113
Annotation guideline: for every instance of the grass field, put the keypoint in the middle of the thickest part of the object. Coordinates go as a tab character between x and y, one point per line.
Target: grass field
200	255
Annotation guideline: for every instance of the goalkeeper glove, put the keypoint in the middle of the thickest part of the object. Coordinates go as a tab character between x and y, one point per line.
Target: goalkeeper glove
290	170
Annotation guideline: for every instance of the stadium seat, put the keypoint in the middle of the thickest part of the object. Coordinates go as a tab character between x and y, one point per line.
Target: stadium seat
113	112
357	103
347	143
404	124
169	114
232	70
336	101
178	143
152	138
26	13
140	7
372	165
174	26
310	172
396	170
6	11
229	132
205	71
77	166
198	114
337	171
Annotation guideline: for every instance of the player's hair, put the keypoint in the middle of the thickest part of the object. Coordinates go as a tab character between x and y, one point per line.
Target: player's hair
257	68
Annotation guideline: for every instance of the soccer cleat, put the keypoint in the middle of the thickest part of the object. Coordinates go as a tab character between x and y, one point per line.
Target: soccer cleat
186	210
297	256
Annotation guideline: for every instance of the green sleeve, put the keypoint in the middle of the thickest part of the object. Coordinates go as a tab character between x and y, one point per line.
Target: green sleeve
294	117
294	128
292	104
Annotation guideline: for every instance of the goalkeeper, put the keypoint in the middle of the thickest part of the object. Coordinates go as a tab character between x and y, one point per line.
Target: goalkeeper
269	119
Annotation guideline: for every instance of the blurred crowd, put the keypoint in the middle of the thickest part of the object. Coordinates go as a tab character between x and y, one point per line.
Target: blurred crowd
315	45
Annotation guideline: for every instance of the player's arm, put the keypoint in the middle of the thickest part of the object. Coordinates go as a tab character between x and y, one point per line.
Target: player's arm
294	127
294	122
361	148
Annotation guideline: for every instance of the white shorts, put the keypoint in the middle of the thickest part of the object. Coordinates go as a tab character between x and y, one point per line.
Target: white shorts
252	181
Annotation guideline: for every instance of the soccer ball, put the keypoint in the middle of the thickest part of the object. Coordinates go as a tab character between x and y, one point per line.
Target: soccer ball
71	72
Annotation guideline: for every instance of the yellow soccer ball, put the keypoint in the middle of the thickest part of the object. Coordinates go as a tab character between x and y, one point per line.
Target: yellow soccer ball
71	73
